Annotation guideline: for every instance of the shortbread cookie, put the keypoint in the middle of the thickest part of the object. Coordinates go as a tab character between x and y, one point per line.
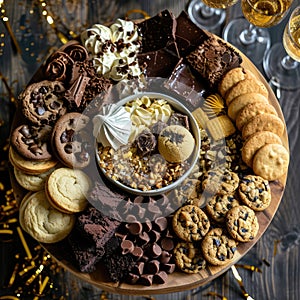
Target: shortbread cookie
32	167
188	258
66	190
218	247
218	206
22	207
242	223
30	182
71	141
219	181
255	192
43	222
42	102
249	85
271	161
200	117
220	127
238	103
263	122
251	110
254	142
190	223
232	77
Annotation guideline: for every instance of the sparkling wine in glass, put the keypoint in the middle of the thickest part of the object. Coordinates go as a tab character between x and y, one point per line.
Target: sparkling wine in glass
249	34
282	62
209	14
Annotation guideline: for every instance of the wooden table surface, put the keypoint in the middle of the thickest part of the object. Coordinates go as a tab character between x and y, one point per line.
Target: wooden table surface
279	246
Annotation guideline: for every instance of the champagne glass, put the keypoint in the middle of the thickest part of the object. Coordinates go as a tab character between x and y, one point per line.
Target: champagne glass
282	63
249	34
209	14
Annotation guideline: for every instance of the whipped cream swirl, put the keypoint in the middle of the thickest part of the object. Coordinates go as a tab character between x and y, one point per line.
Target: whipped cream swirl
112	126
114	49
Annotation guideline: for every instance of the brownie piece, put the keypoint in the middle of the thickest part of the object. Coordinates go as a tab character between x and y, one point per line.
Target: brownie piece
213	59
96	226
85	253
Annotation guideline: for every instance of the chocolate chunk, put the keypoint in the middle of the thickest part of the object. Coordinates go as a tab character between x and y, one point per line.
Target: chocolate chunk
180	119
138	268
160	223
154	250
135	228
132	278
168	268
165	257
158	31
160	278
127	246
188	35
137	253
146	279
152	267
183	82
159	63
167	244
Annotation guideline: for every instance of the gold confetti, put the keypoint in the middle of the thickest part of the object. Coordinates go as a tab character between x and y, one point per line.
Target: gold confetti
249	267
240	282
136	11
24	243
214	105
216	295
7	25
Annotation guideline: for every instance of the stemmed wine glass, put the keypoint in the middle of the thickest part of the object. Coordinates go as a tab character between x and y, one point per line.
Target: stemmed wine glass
282	63
209	14
249	34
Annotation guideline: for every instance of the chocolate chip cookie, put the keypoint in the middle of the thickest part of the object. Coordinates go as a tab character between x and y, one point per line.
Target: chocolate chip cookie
190	223
219	181
42	102
218	247
218	206
32	142
189	258
255	192
242	223
71	142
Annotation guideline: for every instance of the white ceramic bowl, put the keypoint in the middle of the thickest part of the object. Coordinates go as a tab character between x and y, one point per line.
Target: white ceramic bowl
180	108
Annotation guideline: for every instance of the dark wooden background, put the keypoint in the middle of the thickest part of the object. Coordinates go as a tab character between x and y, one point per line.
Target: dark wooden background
279	246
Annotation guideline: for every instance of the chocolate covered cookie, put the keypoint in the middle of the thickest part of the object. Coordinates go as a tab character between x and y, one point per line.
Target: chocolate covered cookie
32	142
71	142
42	102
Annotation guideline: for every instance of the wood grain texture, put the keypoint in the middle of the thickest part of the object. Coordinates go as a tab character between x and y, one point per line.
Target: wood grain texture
281	279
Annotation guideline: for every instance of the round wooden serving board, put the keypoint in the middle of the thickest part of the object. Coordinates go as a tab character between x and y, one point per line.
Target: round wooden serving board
179	281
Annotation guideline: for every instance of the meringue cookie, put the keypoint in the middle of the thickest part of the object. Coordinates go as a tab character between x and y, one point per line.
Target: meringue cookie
112	126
